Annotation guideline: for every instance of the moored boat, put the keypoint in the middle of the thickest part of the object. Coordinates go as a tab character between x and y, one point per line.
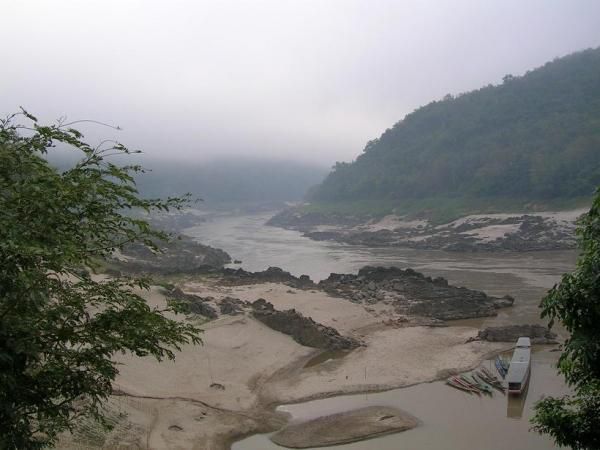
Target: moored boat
500	367
476	383
481	381
466	384
459	386
490	380
489	374
520	367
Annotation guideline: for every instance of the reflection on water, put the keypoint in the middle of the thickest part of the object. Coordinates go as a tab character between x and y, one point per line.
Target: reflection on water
516	404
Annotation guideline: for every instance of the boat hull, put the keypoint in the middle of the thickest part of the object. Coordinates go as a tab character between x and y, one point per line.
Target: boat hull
520	367
522	387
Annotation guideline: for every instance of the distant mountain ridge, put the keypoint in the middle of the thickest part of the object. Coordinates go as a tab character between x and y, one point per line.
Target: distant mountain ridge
223	182
231	180
535	136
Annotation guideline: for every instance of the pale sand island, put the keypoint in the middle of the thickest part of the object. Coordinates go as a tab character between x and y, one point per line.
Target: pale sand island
228	388
344	428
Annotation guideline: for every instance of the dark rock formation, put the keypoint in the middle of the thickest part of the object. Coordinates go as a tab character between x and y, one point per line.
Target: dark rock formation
271	275
231	306
412	293
510	333
529	232
183	255
302	329
194	304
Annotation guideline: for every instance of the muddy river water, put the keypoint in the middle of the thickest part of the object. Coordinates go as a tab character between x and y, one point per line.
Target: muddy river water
450	419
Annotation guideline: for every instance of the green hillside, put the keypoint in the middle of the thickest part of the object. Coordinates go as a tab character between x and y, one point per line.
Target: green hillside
534	138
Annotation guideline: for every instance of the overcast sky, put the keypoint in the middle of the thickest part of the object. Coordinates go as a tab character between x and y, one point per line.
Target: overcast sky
307	79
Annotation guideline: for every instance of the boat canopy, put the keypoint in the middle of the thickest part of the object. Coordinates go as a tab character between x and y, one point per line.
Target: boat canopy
519	365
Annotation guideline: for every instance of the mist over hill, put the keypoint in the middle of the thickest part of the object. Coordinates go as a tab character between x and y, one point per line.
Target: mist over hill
533	137
227	182
231	180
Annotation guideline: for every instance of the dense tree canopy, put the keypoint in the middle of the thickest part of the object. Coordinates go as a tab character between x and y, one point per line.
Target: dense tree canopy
59	327
574	421
535	136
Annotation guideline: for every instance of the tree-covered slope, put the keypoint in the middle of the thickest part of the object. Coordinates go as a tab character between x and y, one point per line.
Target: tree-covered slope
535	136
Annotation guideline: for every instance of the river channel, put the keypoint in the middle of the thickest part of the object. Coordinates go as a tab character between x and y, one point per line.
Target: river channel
450	419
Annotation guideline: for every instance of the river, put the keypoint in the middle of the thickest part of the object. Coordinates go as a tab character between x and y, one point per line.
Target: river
451	419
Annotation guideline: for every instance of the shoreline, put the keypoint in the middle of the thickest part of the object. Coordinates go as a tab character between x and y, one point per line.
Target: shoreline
493	232
230	388
272	407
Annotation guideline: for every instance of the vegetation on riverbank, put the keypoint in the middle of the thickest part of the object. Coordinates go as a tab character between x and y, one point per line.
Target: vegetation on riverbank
533	137
60	328
440	210
574	421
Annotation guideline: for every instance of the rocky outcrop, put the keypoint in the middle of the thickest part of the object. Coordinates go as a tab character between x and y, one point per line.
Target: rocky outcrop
271	275
182	255
412	293
207	306
302	329
510	333
194	304
231	306
493	232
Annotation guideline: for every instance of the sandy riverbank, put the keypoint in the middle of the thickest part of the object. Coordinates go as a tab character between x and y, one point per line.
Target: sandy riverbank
516	232
227	388
345	427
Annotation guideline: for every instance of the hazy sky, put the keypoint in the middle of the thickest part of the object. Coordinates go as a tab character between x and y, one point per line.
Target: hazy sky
307	79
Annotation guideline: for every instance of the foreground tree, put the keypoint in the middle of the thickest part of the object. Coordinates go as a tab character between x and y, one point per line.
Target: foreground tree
59	327
574	421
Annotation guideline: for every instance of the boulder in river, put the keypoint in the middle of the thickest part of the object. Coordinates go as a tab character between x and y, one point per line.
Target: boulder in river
510	333
182	255
413	294
271	275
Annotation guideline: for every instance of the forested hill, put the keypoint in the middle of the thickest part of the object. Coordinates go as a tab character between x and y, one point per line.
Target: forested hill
535	136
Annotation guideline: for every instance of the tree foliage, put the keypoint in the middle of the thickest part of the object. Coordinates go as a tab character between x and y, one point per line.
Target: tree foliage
533	137
574	421
59	327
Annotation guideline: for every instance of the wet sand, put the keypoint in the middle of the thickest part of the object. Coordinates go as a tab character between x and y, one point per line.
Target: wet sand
451	419
525	276
227	389
345	427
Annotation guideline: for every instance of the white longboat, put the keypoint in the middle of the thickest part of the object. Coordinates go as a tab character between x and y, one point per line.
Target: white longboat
520	367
